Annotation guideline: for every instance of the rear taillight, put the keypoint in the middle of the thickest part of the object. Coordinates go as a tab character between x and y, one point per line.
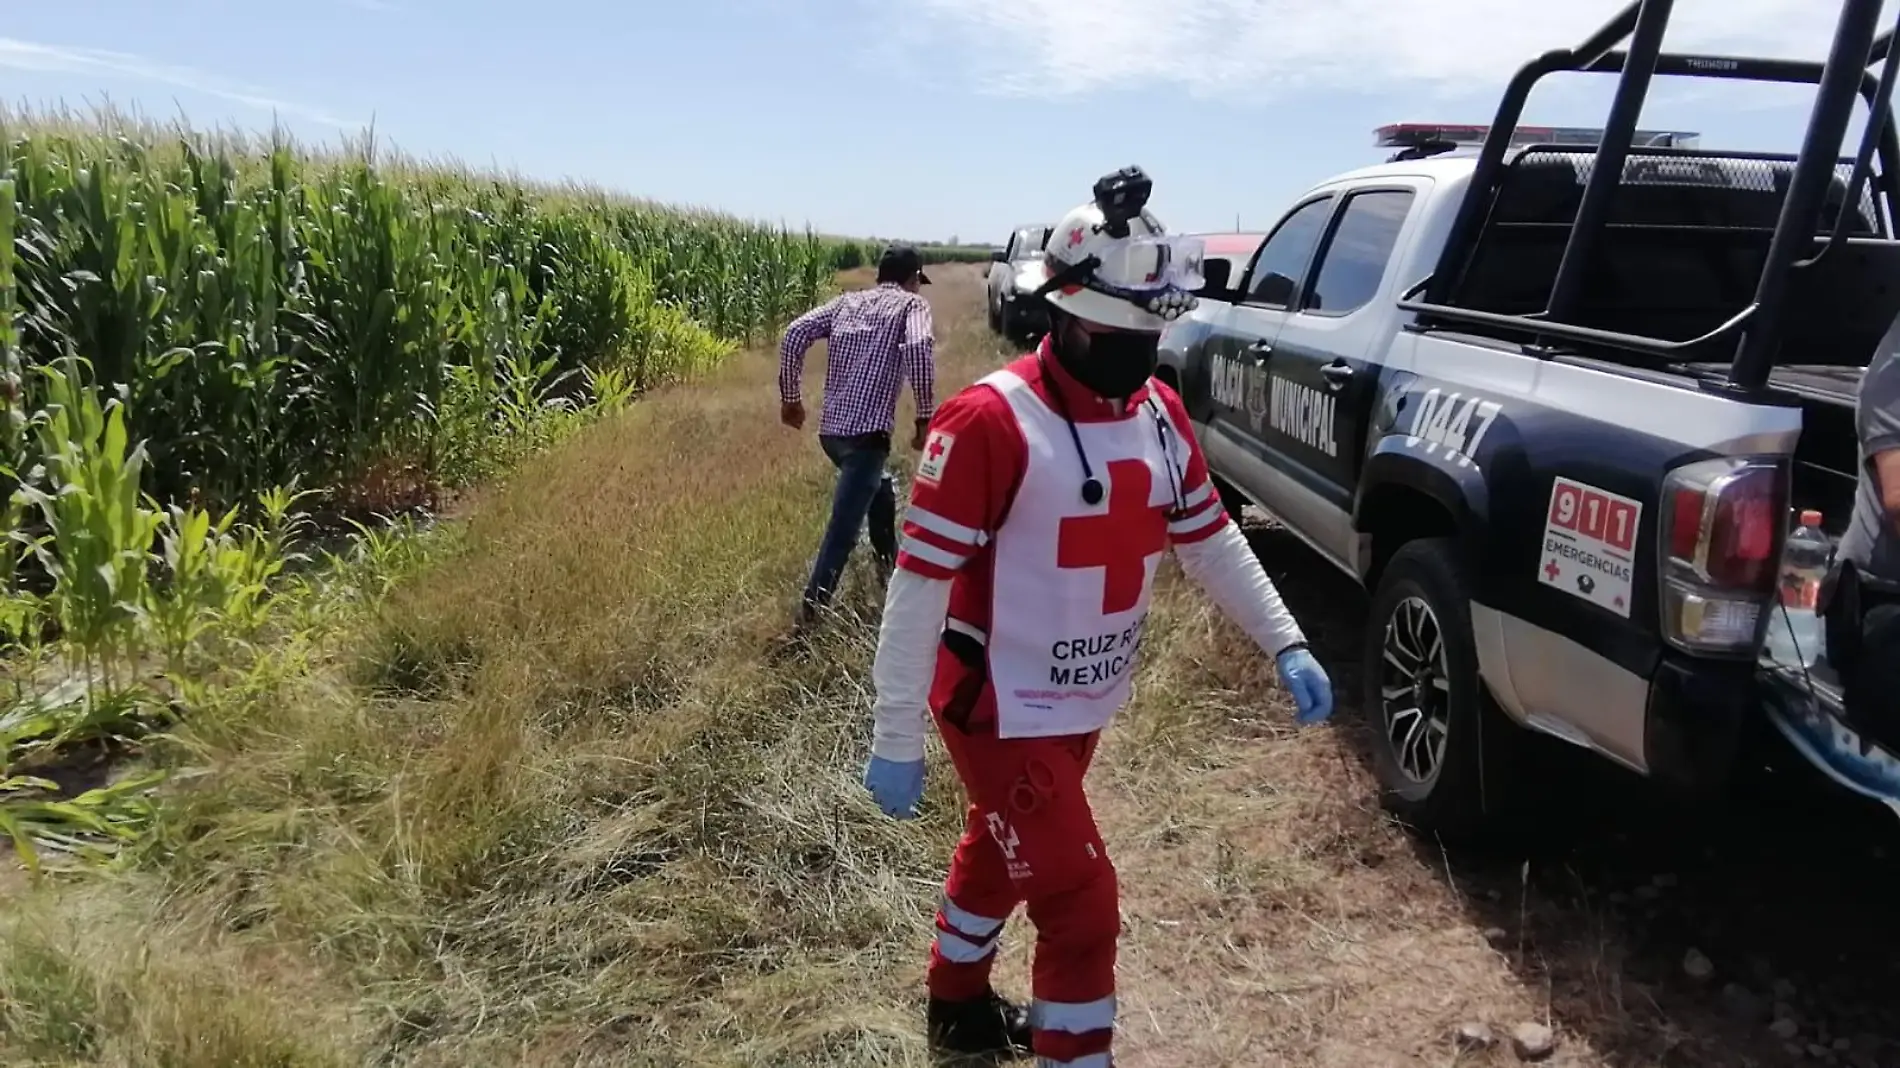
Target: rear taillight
1722	533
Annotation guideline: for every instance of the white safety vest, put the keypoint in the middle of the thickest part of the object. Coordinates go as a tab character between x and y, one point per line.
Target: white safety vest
1073	580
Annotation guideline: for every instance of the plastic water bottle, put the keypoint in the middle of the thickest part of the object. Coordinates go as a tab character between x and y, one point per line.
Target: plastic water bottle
1804	563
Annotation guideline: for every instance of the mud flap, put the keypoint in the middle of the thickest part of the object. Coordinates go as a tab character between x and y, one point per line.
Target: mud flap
1693	726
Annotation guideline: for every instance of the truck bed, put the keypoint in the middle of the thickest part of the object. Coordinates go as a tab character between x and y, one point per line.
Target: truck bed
1830	385
1825	460
1838	384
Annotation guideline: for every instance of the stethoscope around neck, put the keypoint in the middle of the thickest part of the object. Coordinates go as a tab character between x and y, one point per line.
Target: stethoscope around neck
1092	491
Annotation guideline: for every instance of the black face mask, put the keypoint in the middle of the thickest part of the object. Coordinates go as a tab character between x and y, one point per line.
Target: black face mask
1112	365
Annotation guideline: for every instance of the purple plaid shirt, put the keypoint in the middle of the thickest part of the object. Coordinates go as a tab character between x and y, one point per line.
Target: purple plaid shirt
877	338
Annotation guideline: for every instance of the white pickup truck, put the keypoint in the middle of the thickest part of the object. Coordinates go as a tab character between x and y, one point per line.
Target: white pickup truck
1012	313
1552	406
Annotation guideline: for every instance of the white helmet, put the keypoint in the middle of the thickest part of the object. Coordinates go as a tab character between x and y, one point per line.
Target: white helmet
1110	261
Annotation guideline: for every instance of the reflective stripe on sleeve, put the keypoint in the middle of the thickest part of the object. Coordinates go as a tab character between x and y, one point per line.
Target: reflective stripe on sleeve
932	554
1201	520
947	529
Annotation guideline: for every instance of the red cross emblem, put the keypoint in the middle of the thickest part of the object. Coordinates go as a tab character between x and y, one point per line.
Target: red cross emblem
1076	236
1551	569
1120	540
936	448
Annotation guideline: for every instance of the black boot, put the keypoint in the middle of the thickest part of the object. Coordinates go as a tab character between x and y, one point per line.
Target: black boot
989	1026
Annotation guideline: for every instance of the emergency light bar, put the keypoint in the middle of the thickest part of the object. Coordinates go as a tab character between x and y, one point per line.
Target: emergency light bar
1430	135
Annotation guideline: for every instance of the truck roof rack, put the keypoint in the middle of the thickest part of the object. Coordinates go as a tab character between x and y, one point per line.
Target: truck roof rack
1642	24
1422	140
1421	134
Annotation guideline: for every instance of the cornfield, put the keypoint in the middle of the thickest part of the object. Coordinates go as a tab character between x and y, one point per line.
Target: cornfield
269	315
193	326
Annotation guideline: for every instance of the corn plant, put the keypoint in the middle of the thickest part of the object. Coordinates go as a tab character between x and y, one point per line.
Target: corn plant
95	825
217	573
16	611
611	389
32	815
99	544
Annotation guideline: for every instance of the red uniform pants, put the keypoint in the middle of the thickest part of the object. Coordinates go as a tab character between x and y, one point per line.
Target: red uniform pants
1030	837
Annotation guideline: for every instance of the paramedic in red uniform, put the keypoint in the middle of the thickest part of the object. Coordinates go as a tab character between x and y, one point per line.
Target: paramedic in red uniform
1043	502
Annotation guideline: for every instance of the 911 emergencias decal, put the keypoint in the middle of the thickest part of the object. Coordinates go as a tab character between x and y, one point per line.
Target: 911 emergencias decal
1590	544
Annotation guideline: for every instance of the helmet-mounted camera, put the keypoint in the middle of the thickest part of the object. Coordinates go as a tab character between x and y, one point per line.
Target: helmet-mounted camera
1139	281
1122	196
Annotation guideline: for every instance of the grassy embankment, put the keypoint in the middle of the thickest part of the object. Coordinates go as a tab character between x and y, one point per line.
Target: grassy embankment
544	801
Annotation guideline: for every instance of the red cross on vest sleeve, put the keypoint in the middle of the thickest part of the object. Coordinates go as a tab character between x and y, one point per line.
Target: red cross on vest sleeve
972	460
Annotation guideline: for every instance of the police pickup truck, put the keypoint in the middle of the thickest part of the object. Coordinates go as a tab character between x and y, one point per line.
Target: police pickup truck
1552	404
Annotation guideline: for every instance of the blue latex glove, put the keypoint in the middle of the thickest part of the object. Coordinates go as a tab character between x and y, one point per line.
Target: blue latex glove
1312	691
896	786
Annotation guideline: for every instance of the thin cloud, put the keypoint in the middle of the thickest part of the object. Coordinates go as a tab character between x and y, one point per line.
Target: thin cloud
1233	48
34	57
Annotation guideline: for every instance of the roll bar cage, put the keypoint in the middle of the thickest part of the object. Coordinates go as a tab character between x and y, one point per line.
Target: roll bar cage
1844	75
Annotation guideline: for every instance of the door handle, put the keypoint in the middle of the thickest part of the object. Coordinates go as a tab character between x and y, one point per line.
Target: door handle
1260	348
1336	374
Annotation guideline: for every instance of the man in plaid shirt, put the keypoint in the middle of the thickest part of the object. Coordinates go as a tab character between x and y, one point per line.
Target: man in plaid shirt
876	338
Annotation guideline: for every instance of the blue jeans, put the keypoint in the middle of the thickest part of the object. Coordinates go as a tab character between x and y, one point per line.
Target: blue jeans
864	490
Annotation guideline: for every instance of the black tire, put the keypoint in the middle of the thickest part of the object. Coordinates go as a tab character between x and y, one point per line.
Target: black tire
1007	323
1461	795
990	308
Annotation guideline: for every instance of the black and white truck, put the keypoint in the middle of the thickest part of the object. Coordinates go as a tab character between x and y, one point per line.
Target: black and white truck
1012	313
1553	404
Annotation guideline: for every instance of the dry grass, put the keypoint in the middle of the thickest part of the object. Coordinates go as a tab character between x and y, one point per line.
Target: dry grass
552	803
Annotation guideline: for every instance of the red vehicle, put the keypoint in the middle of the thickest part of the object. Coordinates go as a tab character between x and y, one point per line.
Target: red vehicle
1227	255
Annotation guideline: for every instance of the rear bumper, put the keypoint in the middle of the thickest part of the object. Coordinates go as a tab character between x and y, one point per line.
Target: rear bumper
1804	704
1686	722
1698	711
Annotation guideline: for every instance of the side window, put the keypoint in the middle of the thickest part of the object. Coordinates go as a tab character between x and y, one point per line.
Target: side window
1277	267
1023	243
1015	250
1355	260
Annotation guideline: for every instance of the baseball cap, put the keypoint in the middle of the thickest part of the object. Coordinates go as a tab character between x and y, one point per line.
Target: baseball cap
900	262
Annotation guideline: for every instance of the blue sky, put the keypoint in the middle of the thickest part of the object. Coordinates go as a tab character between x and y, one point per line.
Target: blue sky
920	118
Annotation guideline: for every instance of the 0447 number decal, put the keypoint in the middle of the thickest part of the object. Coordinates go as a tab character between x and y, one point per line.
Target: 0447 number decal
1453	422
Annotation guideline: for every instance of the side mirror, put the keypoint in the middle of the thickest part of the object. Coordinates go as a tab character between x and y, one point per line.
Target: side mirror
1219	273
999	256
